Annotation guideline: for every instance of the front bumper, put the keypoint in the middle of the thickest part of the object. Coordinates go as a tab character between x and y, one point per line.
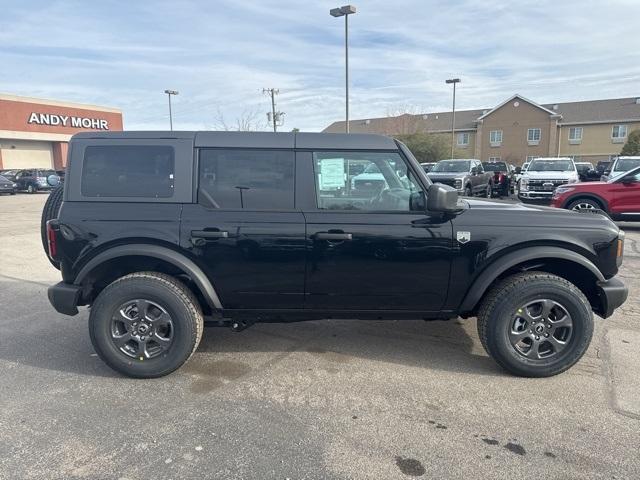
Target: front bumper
64	297
542	197
612	293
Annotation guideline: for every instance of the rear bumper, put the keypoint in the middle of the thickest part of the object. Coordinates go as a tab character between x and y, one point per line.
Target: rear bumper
64	297
613	293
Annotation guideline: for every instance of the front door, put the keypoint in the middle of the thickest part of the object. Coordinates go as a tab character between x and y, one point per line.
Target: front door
372	244
626	196
244	231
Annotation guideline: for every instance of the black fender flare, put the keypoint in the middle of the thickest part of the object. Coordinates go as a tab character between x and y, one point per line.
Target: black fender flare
162	253
502	264
588	195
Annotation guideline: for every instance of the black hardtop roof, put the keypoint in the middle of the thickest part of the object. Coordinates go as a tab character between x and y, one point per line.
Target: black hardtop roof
303	140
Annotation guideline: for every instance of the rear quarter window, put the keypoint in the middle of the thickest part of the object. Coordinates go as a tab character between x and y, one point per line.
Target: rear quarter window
128	171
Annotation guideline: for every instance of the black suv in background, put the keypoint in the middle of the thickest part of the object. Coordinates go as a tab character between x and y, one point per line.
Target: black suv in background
159	232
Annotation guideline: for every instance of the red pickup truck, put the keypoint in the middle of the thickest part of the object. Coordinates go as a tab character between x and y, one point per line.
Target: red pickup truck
619	197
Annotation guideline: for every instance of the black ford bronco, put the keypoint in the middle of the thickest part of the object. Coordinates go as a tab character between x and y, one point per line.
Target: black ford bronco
160	232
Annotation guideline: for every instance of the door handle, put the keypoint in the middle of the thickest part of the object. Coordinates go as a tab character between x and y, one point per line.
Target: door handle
333	236
209	234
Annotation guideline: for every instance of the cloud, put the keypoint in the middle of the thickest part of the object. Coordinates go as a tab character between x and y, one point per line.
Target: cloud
220	55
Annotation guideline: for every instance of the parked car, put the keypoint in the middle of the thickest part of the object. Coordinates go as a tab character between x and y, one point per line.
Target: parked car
7	186
619	197
517	175
160	231
33	180
543	176
466	175
601	167
427	166
585	171
9	174
501	177
619	167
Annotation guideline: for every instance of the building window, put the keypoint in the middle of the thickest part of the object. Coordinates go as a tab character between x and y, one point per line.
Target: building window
533	136
495	138
575	135
463	139
619	133
495	159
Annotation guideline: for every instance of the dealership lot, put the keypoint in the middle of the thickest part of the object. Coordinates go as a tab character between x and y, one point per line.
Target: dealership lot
325	399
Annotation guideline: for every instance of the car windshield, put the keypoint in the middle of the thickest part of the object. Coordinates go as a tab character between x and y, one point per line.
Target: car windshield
9	173
451	166
550	166
626	164
3	179
495	166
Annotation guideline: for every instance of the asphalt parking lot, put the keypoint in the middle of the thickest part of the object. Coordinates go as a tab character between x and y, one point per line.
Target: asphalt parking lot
310	400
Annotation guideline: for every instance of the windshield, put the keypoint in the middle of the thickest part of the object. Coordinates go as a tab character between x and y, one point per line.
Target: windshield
451	166
495	166
3	179
626	164
550	166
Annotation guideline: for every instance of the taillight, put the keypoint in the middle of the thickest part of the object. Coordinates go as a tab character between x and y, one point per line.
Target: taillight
51	240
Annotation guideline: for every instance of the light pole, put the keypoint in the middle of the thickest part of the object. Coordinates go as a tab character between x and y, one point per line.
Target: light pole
169	93
345	11
453	115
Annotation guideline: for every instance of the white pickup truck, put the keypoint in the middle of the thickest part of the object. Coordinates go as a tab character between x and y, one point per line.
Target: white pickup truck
543	176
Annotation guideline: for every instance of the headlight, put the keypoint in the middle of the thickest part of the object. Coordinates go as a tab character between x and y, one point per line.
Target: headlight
524	184
458	183
15	185
562	190
573	180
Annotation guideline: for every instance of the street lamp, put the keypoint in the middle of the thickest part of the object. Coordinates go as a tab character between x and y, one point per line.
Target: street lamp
345	12
169	93
453	116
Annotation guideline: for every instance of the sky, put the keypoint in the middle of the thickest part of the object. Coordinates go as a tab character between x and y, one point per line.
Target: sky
220	55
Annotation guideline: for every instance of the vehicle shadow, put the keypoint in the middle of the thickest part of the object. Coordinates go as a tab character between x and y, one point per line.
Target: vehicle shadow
42	338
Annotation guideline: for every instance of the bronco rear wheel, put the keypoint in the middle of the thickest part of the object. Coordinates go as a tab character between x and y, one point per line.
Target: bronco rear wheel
535	324
145	325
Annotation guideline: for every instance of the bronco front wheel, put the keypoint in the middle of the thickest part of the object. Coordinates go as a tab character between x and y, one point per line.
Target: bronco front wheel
535	324
145	325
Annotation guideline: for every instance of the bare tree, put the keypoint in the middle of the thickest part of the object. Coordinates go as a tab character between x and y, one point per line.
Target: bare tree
248	121
404	120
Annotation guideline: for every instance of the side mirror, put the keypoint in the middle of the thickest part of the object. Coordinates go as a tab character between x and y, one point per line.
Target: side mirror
518	170
474	171
442	198
629	179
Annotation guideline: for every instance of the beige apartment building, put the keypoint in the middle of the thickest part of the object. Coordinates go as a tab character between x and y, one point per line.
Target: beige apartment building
519	129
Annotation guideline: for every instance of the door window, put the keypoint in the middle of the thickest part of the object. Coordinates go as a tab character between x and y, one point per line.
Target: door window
369	181
246	179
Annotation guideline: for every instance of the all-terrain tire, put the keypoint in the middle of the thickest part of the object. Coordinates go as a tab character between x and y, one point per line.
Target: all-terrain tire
50	211
499	308
164	291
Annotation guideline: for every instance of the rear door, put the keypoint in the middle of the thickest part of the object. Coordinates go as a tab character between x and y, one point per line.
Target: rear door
372	249
245	231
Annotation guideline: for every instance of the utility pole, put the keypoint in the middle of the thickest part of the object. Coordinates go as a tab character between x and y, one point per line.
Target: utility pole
169	93
345	12
453	113
275	118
